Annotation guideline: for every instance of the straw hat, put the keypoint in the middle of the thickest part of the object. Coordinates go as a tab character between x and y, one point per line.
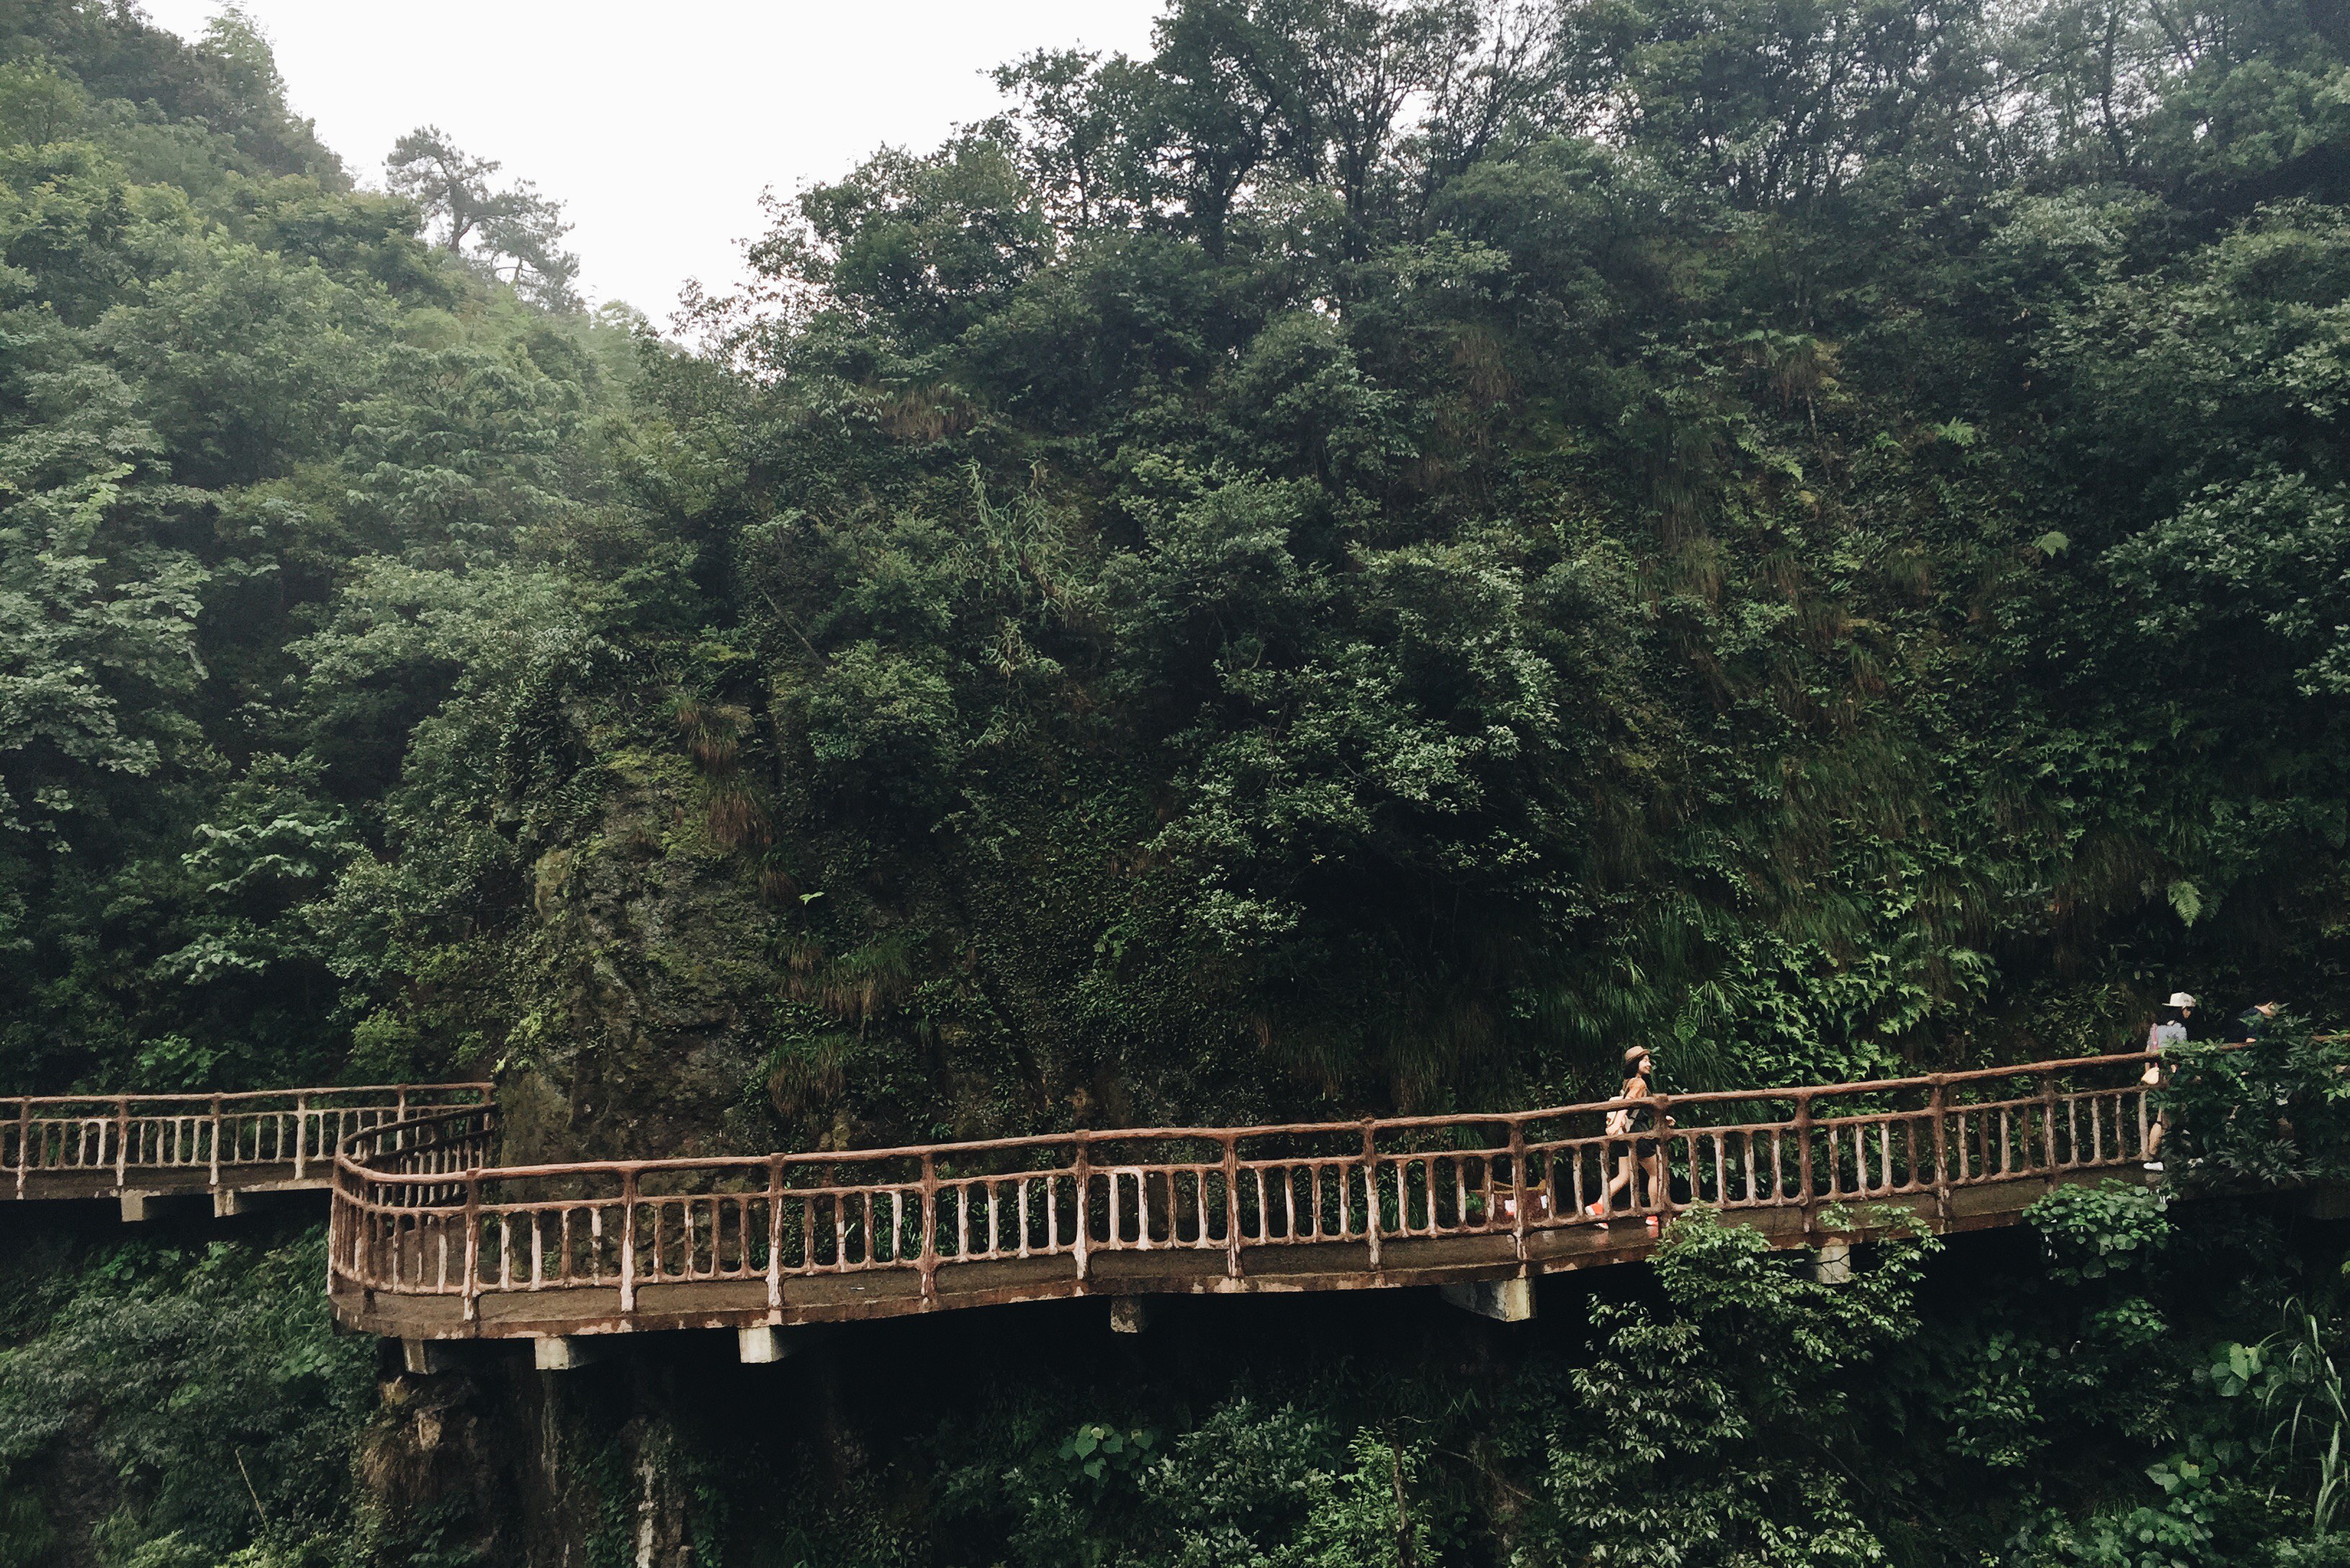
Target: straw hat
2180	998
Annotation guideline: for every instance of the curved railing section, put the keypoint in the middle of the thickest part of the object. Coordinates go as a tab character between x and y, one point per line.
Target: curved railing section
419	1212
110	1142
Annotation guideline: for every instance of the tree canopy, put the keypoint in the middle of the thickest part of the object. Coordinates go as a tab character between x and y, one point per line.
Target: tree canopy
1363	559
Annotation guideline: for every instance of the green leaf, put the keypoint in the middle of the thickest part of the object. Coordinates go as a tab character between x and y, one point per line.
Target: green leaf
2053	543
2188	899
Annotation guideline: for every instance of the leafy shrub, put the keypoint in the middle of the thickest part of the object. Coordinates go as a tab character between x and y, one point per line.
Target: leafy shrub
2270	1114
2092	1231
210	1385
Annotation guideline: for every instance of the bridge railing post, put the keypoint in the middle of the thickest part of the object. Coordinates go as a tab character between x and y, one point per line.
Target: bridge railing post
1371	1192
122	1139
25	1140
2048	1121
301	1136
628	1242
1518	1187
930	1260
472	1285
215	1160
334	1227
1231	1206
774	1232
1940	1100
1662	1173
1804	1152
1082	1243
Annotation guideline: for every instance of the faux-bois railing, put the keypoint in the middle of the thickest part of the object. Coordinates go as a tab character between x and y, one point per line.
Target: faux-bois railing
421	1212
116	1140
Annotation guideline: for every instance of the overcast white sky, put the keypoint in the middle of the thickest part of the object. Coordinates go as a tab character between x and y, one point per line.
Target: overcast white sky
658	125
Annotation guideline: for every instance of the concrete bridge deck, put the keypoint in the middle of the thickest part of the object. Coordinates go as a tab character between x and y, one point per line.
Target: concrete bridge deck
719	1303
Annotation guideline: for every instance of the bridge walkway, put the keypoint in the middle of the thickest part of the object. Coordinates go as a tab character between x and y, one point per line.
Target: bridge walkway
431	1239
137	1148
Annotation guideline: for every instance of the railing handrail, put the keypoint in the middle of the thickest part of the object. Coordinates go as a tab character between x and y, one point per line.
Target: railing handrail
415	1211
1270	1130
78	1136
206	1097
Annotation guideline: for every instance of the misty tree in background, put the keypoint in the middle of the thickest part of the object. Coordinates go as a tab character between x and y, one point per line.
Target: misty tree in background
514	233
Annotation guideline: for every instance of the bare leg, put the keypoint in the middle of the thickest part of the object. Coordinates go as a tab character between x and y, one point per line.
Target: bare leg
1620	1182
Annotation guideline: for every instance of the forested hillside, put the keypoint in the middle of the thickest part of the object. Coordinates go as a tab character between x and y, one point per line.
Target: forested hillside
288	493
1364	561
1359	562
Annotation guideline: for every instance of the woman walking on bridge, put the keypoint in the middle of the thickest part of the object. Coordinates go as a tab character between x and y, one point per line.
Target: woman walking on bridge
1642	1153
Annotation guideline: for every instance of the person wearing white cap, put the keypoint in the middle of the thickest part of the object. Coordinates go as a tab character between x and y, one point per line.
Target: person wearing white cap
2169	1028
2170	1023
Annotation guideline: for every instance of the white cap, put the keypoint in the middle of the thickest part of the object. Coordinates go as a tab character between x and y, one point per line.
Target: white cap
2180	998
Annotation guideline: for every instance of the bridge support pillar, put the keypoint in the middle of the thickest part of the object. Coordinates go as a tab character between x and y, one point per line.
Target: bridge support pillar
425	1357
1503	1301
763	1344
228	1202
568	1352
1129	1315
1832	1263
134	1207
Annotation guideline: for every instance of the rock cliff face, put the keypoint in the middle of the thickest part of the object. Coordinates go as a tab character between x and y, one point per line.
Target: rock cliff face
696	956
644	984
496	1463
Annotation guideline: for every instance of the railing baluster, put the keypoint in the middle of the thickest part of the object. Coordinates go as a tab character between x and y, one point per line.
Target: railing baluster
930	1260
1804	1152
1232	1208
774	1232
409	1187
1082	1240
1520	1199
628	1241
473	1245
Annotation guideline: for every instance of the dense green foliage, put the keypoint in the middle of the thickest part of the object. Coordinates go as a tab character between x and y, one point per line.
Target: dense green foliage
2123	1389
1360	561
167	1404
1207	574
283	491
